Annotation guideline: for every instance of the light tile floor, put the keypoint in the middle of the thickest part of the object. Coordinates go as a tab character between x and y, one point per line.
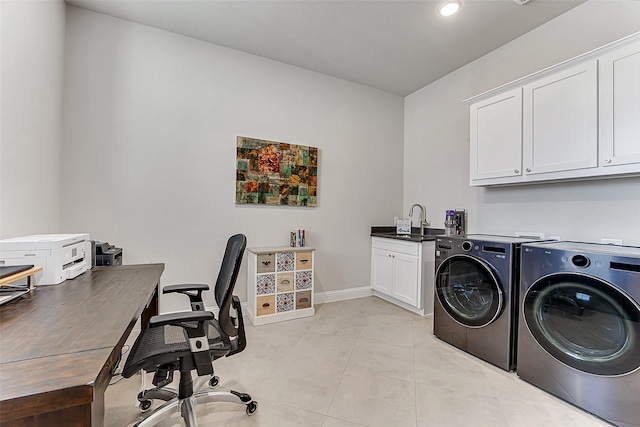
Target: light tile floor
362	362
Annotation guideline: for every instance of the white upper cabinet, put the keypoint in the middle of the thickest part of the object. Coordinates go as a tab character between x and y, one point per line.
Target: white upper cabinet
620	108
496	137
560	129
577	120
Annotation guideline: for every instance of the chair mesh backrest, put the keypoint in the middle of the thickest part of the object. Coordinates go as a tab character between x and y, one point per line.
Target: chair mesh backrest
227	280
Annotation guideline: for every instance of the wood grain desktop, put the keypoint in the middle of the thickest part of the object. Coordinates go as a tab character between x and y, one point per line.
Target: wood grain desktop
59	343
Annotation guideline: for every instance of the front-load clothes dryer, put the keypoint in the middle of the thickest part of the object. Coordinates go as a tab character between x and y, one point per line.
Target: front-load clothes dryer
476	295
579	334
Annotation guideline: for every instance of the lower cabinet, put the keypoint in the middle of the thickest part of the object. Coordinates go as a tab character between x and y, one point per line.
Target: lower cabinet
279	284
402	273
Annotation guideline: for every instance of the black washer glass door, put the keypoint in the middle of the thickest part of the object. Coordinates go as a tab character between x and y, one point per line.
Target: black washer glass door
585	323
469	291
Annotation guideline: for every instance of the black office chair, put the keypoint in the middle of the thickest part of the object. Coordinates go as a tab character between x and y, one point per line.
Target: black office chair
192	340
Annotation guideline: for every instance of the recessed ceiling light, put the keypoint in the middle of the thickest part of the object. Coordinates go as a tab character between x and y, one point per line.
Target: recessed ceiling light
449	7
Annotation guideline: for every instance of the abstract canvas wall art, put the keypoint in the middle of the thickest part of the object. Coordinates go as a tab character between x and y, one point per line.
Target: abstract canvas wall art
275	173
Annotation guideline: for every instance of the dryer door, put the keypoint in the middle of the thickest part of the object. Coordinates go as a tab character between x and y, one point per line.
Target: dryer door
584	322
469	291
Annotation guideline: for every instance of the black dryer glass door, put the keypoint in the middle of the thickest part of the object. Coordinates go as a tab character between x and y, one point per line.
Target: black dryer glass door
469	291
584	322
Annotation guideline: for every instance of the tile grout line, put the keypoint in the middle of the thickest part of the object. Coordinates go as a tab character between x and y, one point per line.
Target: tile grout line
342	377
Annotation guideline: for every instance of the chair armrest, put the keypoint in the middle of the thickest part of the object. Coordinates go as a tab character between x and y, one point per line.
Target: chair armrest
197	303
177	318
185	287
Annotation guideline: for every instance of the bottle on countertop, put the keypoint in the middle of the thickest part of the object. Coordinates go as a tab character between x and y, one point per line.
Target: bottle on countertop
450	223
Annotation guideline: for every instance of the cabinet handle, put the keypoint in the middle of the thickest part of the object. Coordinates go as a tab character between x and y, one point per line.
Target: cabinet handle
266	262
528	169
304	261
285	282
266	304
607	160
304	299
516	170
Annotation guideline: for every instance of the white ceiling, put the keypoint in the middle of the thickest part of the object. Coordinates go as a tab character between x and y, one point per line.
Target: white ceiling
394	45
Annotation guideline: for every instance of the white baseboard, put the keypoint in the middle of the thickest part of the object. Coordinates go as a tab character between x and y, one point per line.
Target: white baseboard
341	295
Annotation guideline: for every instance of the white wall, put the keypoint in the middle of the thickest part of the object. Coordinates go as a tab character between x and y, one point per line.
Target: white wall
436	156
150	126
31	72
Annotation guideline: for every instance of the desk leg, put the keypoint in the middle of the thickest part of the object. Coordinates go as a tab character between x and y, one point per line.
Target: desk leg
150	310
102	382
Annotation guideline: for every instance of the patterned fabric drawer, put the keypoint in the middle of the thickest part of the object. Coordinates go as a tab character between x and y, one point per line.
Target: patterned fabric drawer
304	261
285	282
285	302
303	299
266	305
266	284
266	263
304	280
285	261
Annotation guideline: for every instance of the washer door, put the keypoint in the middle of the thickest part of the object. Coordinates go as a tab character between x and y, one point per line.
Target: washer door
584	322
469	291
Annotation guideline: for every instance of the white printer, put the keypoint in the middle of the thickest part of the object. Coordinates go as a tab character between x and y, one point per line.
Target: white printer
61	256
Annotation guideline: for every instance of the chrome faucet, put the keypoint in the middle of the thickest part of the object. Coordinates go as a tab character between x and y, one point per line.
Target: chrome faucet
423	217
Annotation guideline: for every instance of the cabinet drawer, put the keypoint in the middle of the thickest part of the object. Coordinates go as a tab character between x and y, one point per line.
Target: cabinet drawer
266	284
285	261
303	299
408	248
285	282
285	302
304	261
265	305
304	280
266	263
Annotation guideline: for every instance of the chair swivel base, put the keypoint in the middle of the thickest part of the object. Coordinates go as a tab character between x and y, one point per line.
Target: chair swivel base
187	406
146	397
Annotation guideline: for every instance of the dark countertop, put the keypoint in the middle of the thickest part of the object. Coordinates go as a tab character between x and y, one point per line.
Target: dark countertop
389	232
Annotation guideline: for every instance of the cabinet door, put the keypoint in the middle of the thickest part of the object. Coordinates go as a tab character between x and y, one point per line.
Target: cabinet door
406	279
496	137
560	121
381	270
620	106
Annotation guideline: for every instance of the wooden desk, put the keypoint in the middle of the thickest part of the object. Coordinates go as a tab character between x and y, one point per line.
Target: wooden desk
59	343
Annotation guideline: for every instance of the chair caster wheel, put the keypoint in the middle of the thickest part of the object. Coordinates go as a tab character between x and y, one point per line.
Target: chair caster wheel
213	382
252	407
145	405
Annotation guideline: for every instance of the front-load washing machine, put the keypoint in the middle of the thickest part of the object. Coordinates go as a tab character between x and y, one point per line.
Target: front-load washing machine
476	292
579	334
